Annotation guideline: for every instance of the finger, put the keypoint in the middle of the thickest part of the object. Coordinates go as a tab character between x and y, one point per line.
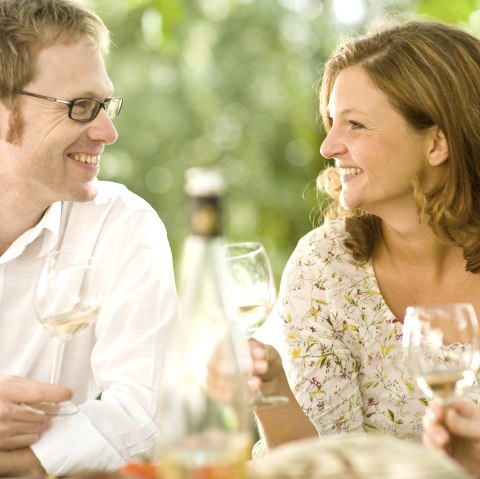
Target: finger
15	428
17	442
31	413
20	390
254	383
17	412
466	409
260	366
258	351
254	343
464	427
436	437
436	411
272	356
50	393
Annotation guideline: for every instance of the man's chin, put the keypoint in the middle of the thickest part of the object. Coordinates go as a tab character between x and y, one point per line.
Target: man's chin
87	193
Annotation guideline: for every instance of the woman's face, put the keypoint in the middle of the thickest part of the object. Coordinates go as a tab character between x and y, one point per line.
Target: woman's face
376	152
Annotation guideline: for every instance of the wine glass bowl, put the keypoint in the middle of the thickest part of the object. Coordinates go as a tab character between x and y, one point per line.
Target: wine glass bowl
249	289
67	301
441	345
67	294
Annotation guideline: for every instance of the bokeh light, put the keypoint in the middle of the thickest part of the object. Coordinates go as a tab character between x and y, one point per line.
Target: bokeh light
349	12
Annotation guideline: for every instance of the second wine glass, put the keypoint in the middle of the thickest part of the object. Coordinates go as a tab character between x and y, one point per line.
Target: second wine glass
441	344
67	301
250	296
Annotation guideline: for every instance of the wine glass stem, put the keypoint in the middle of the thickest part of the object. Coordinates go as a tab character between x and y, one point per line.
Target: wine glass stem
57	362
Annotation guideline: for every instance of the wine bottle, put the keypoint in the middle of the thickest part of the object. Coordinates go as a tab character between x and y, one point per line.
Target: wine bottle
203	415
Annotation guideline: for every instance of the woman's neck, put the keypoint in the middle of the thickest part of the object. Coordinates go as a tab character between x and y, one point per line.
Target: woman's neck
416	246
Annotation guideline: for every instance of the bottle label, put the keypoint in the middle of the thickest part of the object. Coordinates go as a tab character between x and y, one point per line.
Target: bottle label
205	216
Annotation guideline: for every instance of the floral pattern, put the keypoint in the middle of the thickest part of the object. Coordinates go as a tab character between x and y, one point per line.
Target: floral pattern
343	346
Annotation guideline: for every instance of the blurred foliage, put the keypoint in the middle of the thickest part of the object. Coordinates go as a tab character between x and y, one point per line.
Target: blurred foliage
451	11
231	84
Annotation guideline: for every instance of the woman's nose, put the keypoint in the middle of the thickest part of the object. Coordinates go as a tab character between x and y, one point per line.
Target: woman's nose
331	146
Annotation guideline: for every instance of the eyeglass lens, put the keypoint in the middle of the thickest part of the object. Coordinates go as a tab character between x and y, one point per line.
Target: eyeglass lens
85	109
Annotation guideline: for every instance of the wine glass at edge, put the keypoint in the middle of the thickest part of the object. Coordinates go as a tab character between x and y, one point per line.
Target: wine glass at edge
67	302
250	296
441	345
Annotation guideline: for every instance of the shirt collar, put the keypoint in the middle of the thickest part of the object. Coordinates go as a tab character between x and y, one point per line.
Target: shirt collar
50	222
48	226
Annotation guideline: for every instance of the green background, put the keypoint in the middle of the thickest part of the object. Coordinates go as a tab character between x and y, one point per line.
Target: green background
232	84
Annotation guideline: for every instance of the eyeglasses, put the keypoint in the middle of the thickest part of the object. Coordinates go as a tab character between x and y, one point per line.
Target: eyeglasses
84	109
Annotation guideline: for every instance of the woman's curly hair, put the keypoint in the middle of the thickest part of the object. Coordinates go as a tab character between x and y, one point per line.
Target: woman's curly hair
430	72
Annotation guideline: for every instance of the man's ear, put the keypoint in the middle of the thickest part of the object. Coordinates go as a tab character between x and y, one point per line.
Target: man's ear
438	153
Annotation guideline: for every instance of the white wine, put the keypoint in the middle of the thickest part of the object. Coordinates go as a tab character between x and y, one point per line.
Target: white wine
65	326
441	384
249	318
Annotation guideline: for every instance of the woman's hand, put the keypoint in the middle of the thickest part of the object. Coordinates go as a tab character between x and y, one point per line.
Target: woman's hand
266	370
283	423
455	430
268	374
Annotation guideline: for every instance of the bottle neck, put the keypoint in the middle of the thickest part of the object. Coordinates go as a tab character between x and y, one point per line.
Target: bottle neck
205	216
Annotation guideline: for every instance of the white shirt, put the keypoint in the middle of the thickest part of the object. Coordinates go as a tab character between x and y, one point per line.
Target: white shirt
120	356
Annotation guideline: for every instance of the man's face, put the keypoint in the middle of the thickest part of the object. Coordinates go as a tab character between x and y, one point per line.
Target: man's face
44	155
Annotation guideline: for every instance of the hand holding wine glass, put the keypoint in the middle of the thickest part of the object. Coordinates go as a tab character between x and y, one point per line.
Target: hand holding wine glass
441	344
250	297
67	301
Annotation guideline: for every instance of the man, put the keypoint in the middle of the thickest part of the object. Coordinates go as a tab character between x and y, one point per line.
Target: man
56	114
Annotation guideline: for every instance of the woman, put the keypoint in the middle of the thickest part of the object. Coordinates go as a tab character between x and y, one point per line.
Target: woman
401	107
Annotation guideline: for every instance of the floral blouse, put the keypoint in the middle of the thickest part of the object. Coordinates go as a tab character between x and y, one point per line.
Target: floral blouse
343	348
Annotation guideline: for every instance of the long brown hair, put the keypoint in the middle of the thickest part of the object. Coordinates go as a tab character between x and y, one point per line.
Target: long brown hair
431	74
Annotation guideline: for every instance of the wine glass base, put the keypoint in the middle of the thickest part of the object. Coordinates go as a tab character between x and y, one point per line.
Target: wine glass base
52	409
266	402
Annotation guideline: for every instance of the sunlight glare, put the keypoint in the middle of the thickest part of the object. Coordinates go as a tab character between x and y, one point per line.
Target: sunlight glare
349	12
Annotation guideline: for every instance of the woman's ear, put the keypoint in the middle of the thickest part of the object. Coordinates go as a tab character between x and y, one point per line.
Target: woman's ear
438	153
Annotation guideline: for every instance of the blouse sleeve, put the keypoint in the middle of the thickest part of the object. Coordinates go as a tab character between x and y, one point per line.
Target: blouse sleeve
322	371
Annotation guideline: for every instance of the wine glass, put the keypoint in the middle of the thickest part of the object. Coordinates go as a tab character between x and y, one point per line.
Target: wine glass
441	345
250	297
67	301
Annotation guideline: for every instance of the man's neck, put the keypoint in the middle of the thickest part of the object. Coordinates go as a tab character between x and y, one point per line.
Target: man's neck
16	217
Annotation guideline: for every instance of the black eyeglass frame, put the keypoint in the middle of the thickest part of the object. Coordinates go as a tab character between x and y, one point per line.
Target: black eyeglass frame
71	103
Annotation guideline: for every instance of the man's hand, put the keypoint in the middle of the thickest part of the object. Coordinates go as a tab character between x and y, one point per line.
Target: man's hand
19	427
20	462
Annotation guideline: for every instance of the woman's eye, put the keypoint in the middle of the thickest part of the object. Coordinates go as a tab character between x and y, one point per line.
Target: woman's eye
355	125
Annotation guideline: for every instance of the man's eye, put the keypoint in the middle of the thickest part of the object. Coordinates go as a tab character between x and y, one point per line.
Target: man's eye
84	105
